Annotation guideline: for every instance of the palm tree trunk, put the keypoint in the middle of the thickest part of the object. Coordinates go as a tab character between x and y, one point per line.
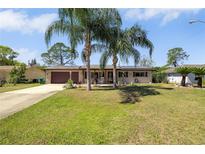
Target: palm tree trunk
88	74
183	80
114	72
87	56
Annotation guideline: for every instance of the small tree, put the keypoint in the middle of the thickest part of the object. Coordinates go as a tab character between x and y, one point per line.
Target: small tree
184	71
17	74
199	72
176	55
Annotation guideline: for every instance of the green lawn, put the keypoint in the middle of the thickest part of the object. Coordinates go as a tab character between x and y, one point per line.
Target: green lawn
10	87
162	114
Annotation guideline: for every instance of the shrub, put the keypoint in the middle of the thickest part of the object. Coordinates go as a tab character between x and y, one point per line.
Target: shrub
2	83
39	80
69	84
42	81
199	72
17	74
159	77
13	76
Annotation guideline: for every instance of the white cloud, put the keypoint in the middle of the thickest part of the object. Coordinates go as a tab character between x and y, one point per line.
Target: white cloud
166	15
14	20
26	54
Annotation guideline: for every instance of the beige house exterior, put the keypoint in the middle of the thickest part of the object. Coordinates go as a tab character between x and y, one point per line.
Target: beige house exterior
34	73
126	74
4	72
31	73
61	74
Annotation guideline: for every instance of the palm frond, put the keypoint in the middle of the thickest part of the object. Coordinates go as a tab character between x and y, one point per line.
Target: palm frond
104	59
138	37
183	70
98	47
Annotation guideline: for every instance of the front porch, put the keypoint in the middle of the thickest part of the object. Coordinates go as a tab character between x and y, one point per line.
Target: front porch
99	76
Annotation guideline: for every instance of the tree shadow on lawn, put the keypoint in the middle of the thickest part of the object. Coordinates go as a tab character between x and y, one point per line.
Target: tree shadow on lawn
102	88
98	88
132	94
163	88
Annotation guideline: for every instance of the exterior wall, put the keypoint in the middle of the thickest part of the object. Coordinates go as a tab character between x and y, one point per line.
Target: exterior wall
48	74
34	73
30	74
176	78
4	74
131	79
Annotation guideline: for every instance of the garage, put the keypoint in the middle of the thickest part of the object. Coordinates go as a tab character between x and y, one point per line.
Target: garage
60	77
75	77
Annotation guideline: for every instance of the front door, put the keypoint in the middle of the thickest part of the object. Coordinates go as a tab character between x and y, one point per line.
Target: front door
75	77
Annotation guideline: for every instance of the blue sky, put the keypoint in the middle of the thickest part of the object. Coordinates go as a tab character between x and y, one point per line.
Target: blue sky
23	30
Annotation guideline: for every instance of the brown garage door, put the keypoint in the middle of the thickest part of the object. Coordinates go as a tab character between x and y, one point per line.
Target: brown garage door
59	77
75	77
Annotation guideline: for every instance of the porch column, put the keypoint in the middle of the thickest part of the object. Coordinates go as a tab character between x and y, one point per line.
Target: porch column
105	76
70	75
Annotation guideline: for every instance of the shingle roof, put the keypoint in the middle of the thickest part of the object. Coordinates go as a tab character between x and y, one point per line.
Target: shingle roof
98	67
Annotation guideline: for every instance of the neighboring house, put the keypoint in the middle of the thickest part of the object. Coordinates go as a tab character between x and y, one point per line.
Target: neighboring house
4	72
61	74
31	73
173	77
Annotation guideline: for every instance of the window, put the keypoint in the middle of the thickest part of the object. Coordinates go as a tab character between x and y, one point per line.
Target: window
140	74
136	74
122	74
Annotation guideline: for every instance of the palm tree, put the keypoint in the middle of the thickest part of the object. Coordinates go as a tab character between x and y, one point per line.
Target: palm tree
84	26
184	71
199	72
121	45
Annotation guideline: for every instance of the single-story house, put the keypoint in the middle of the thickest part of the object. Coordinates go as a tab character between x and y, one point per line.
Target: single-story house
60	74
125	74
32	72
174	77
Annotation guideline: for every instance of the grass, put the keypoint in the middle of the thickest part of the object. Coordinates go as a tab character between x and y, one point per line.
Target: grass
144	114
11	87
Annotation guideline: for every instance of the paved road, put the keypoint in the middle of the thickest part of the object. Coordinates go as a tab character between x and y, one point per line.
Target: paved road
14	101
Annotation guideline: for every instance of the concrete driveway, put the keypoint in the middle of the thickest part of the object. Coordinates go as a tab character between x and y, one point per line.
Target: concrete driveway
14	101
